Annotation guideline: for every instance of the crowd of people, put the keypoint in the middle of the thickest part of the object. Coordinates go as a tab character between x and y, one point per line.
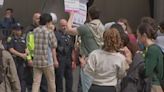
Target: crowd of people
111	57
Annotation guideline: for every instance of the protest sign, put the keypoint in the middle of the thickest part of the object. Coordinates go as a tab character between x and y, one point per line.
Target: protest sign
71	5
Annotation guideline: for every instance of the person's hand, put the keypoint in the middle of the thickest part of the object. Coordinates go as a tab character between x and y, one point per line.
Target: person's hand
73	65
82	61
56	64
127	53
27	52
30	63
23	55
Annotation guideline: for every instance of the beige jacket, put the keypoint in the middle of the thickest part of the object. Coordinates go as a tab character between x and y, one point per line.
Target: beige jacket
11	82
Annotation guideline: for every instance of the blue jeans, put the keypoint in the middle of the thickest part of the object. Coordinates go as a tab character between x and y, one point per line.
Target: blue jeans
86	81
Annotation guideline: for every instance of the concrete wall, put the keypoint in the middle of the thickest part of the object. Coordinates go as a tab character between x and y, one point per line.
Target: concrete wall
23	9
159	10
111	10
133	10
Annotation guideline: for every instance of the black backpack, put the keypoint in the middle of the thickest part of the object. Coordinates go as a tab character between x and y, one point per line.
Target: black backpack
135	81
2	69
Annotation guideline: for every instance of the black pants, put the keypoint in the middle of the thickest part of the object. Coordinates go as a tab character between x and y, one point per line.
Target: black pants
20	65
96	88
29	81
64	70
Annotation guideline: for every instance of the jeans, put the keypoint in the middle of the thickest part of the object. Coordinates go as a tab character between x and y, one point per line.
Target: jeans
86	81
49	74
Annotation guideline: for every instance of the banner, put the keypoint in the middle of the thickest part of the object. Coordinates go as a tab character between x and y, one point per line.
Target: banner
80	16
80	9
71	5
1	2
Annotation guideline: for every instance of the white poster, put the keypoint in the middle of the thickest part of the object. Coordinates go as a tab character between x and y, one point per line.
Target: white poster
71	5
80	16
1	2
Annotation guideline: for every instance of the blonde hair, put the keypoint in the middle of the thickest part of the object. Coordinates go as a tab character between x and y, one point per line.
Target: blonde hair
112	40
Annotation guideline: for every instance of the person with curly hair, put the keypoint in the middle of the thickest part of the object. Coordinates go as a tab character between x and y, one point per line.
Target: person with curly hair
107	65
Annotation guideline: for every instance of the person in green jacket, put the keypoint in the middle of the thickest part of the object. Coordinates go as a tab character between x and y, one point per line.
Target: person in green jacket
153	56
30	48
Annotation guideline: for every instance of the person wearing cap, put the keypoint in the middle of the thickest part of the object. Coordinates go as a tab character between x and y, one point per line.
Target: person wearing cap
30	47
54	17
17	47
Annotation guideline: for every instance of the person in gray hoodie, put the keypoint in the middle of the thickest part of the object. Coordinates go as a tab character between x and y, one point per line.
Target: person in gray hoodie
91	39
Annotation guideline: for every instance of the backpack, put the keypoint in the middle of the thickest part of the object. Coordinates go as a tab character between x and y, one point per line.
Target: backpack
2	69
135	81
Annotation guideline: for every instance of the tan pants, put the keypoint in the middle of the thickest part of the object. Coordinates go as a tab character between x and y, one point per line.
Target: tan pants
49	74
156	88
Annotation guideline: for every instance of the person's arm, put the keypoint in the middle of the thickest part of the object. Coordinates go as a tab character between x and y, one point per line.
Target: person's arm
30	47
13	51
56	63
70	30
122	69
53	44
29	58
12	73
22	55
127	53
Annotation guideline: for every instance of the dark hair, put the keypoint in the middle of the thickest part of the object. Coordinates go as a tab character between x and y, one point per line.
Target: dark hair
145	28
126	23
151	22
45	18
94	13
118	27
9	9
123	35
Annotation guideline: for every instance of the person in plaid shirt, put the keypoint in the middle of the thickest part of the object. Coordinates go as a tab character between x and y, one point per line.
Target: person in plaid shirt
44	53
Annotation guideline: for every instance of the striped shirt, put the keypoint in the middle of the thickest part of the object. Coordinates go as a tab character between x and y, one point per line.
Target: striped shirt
44	40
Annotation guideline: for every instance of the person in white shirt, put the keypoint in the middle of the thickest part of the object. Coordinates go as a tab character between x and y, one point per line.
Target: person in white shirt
107	65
